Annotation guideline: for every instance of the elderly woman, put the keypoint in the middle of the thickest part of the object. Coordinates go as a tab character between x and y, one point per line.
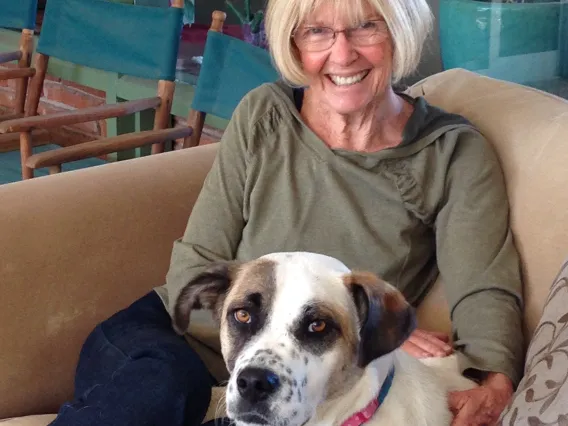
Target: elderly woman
333	160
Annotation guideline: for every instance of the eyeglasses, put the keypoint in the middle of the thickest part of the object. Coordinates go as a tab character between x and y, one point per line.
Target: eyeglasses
316	39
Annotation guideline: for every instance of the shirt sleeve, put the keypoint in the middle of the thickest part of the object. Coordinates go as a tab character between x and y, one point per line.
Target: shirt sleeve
214	228
478	261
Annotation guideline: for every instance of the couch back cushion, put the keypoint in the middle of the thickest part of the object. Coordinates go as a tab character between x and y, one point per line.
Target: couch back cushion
529	130
75	248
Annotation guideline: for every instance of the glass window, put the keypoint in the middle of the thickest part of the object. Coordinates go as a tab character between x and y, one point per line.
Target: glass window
520	41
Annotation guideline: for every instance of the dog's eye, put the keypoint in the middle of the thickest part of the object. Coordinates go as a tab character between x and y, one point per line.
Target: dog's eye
243	316
317	326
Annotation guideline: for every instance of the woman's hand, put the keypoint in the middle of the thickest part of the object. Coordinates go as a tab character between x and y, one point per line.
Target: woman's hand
426	344
483	405
480	406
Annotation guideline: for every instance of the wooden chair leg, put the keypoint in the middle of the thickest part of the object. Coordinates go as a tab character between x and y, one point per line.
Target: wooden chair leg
54	169
31	106
196	121
25	153
26	47
166	91
36	85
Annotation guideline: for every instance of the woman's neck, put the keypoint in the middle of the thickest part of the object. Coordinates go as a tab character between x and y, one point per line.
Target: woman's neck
379	126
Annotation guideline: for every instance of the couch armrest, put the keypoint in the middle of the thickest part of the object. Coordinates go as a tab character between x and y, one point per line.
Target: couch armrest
528	130
75	248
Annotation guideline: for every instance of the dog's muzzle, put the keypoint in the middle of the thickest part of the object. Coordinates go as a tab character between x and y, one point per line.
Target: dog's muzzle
264	389
257	388
257	384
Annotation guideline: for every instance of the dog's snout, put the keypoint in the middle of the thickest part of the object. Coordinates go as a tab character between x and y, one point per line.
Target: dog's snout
256	384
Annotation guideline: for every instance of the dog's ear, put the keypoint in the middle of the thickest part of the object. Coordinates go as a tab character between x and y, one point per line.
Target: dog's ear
206	291
386	318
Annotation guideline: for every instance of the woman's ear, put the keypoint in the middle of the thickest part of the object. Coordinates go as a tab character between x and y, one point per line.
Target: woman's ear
386	318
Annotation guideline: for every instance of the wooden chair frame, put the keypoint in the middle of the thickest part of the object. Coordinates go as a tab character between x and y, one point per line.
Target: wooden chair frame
21	74
53	159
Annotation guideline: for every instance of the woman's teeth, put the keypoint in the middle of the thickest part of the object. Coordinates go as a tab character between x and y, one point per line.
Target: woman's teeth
347	81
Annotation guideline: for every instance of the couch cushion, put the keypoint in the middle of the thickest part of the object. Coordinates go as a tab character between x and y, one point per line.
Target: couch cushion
76	247
41	420
529	130
542	395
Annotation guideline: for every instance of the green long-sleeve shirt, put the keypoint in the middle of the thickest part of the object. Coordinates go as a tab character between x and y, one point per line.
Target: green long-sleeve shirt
435	204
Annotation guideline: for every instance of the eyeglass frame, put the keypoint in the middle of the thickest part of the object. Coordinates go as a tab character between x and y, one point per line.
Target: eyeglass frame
344	30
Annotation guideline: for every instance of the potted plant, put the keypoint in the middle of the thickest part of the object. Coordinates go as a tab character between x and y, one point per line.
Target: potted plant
252	24
501	38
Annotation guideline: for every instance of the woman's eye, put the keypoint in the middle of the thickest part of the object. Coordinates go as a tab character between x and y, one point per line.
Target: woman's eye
317	326
314	30
243	316
368	25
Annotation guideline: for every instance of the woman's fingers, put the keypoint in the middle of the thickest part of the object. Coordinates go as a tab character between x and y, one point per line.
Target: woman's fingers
423	344
437	342
414	350
444	337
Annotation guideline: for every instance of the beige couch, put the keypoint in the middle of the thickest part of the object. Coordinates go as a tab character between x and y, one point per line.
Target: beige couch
78	246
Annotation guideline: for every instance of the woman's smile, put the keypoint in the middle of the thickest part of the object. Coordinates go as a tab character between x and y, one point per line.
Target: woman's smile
348	79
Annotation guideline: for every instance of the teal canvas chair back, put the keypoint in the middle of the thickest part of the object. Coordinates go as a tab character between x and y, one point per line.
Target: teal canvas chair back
230	69
140	41
18	14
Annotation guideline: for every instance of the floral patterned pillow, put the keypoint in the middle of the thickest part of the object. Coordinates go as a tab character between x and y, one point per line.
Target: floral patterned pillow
542	396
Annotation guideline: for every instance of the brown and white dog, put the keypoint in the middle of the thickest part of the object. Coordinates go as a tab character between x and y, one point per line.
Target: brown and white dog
309	342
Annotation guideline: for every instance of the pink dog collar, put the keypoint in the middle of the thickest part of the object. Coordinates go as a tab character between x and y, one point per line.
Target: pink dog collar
365	415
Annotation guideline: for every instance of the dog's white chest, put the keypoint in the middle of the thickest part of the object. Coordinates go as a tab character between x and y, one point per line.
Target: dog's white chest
418	396
419	393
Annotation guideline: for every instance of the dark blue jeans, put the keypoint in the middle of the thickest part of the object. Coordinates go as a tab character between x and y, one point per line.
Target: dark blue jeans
134	370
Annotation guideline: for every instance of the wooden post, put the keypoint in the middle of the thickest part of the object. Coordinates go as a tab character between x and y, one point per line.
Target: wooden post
26	48
25	153
54	169
218	21
166	91
34	95
36	85
196	119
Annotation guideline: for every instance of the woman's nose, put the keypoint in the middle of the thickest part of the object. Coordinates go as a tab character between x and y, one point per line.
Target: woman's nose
342	51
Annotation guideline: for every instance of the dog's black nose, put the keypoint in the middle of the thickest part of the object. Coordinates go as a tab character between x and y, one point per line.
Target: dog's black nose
257	384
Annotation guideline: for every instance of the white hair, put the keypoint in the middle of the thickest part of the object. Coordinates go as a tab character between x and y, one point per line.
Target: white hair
409	23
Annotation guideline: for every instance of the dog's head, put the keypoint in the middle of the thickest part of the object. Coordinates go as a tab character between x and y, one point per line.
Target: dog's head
296	329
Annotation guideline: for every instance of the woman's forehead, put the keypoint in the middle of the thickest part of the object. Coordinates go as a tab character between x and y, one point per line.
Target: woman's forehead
336	12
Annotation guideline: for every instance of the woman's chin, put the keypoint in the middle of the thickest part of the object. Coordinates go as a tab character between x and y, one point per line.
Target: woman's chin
348	105
349	99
